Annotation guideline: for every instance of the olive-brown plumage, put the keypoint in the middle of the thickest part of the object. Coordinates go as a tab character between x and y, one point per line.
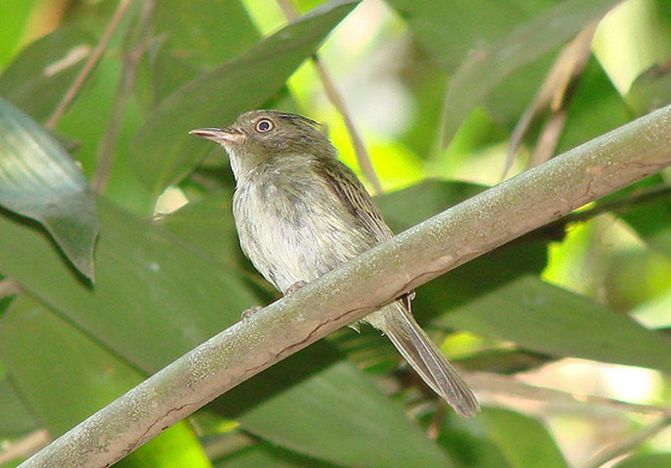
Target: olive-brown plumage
300	212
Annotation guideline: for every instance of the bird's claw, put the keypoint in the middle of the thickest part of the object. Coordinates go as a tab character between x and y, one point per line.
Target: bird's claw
295	287
247	313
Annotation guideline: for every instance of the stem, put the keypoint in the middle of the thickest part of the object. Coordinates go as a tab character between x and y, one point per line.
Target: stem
336	98
131	60
623	447
88	67
356	288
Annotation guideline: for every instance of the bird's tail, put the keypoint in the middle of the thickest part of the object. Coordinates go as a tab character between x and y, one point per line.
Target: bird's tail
411	341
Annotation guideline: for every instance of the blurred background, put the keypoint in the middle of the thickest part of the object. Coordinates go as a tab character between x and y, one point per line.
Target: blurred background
563	333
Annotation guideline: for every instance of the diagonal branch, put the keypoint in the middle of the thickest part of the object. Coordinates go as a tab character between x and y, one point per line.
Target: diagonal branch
449	239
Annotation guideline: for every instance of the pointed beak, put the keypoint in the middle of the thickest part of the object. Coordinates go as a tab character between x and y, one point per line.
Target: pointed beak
223	136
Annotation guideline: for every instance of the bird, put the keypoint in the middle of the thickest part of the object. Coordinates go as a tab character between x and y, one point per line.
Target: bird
300	212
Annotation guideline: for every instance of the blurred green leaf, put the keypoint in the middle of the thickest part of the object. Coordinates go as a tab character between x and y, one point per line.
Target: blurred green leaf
15	418
548	319
337	415
596	108
155	296
524	442
15	15
165	152
651	90
37	79
646	460
265	454
38	179
195	38
449	29
87	380
487	67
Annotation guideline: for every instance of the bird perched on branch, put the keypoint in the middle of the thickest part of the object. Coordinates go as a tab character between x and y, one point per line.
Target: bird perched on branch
300	212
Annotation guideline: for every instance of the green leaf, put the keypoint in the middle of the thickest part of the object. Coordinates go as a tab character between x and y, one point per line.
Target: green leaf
265	454
337	415
15	418
38	179
195	38
646	460
548	319
470	24
524	442
487	67
596	108
651	90
166	153
155	297
14	18
37	79
65	376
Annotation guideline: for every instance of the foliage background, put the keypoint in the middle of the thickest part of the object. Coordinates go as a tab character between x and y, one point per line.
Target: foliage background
563	333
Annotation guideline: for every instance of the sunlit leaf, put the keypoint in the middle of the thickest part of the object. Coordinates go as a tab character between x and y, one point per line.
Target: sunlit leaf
165	152
38	179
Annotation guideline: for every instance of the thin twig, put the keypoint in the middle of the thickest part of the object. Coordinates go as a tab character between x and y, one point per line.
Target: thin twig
336	98
555	93
140	36
25	446
625	446
510	386
88	67
353	290
644	196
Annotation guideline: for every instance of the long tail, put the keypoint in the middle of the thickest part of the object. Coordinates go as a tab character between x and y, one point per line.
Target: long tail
411	341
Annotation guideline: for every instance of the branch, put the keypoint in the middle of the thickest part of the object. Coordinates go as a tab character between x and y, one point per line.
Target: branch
362	156
88	67
348	293
625	446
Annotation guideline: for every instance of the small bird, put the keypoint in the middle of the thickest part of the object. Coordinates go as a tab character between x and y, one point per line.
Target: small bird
300	212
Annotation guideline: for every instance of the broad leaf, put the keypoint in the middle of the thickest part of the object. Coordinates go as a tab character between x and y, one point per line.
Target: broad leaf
38	179
548	319
164	149
81	377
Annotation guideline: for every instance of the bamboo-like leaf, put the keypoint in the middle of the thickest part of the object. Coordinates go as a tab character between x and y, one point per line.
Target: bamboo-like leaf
38	179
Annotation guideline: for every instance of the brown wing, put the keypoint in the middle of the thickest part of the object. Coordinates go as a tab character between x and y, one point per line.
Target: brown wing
353	195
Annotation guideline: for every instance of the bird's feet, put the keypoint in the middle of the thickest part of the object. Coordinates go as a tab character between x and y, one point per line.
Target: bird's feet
295	287
247	313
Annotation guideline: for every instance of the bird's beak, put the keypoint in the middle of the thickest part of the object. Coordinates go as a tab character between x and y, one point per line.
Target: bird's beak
222	136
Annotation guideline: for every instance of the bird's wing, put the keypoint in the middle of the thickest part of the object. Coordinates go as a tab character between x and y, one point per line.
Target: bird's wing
356	200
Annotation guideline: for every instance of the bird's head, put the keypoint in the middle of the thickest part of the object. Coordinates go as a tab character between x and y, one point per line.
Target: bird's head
263	136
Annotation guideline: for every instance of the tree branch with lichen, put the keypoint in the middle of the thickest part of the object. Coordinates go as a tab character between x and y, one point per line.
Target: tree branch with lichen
414	257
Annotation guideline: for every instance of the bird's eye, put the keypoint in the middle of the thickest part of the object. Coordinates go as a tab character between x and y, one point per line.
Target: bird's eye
264	125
